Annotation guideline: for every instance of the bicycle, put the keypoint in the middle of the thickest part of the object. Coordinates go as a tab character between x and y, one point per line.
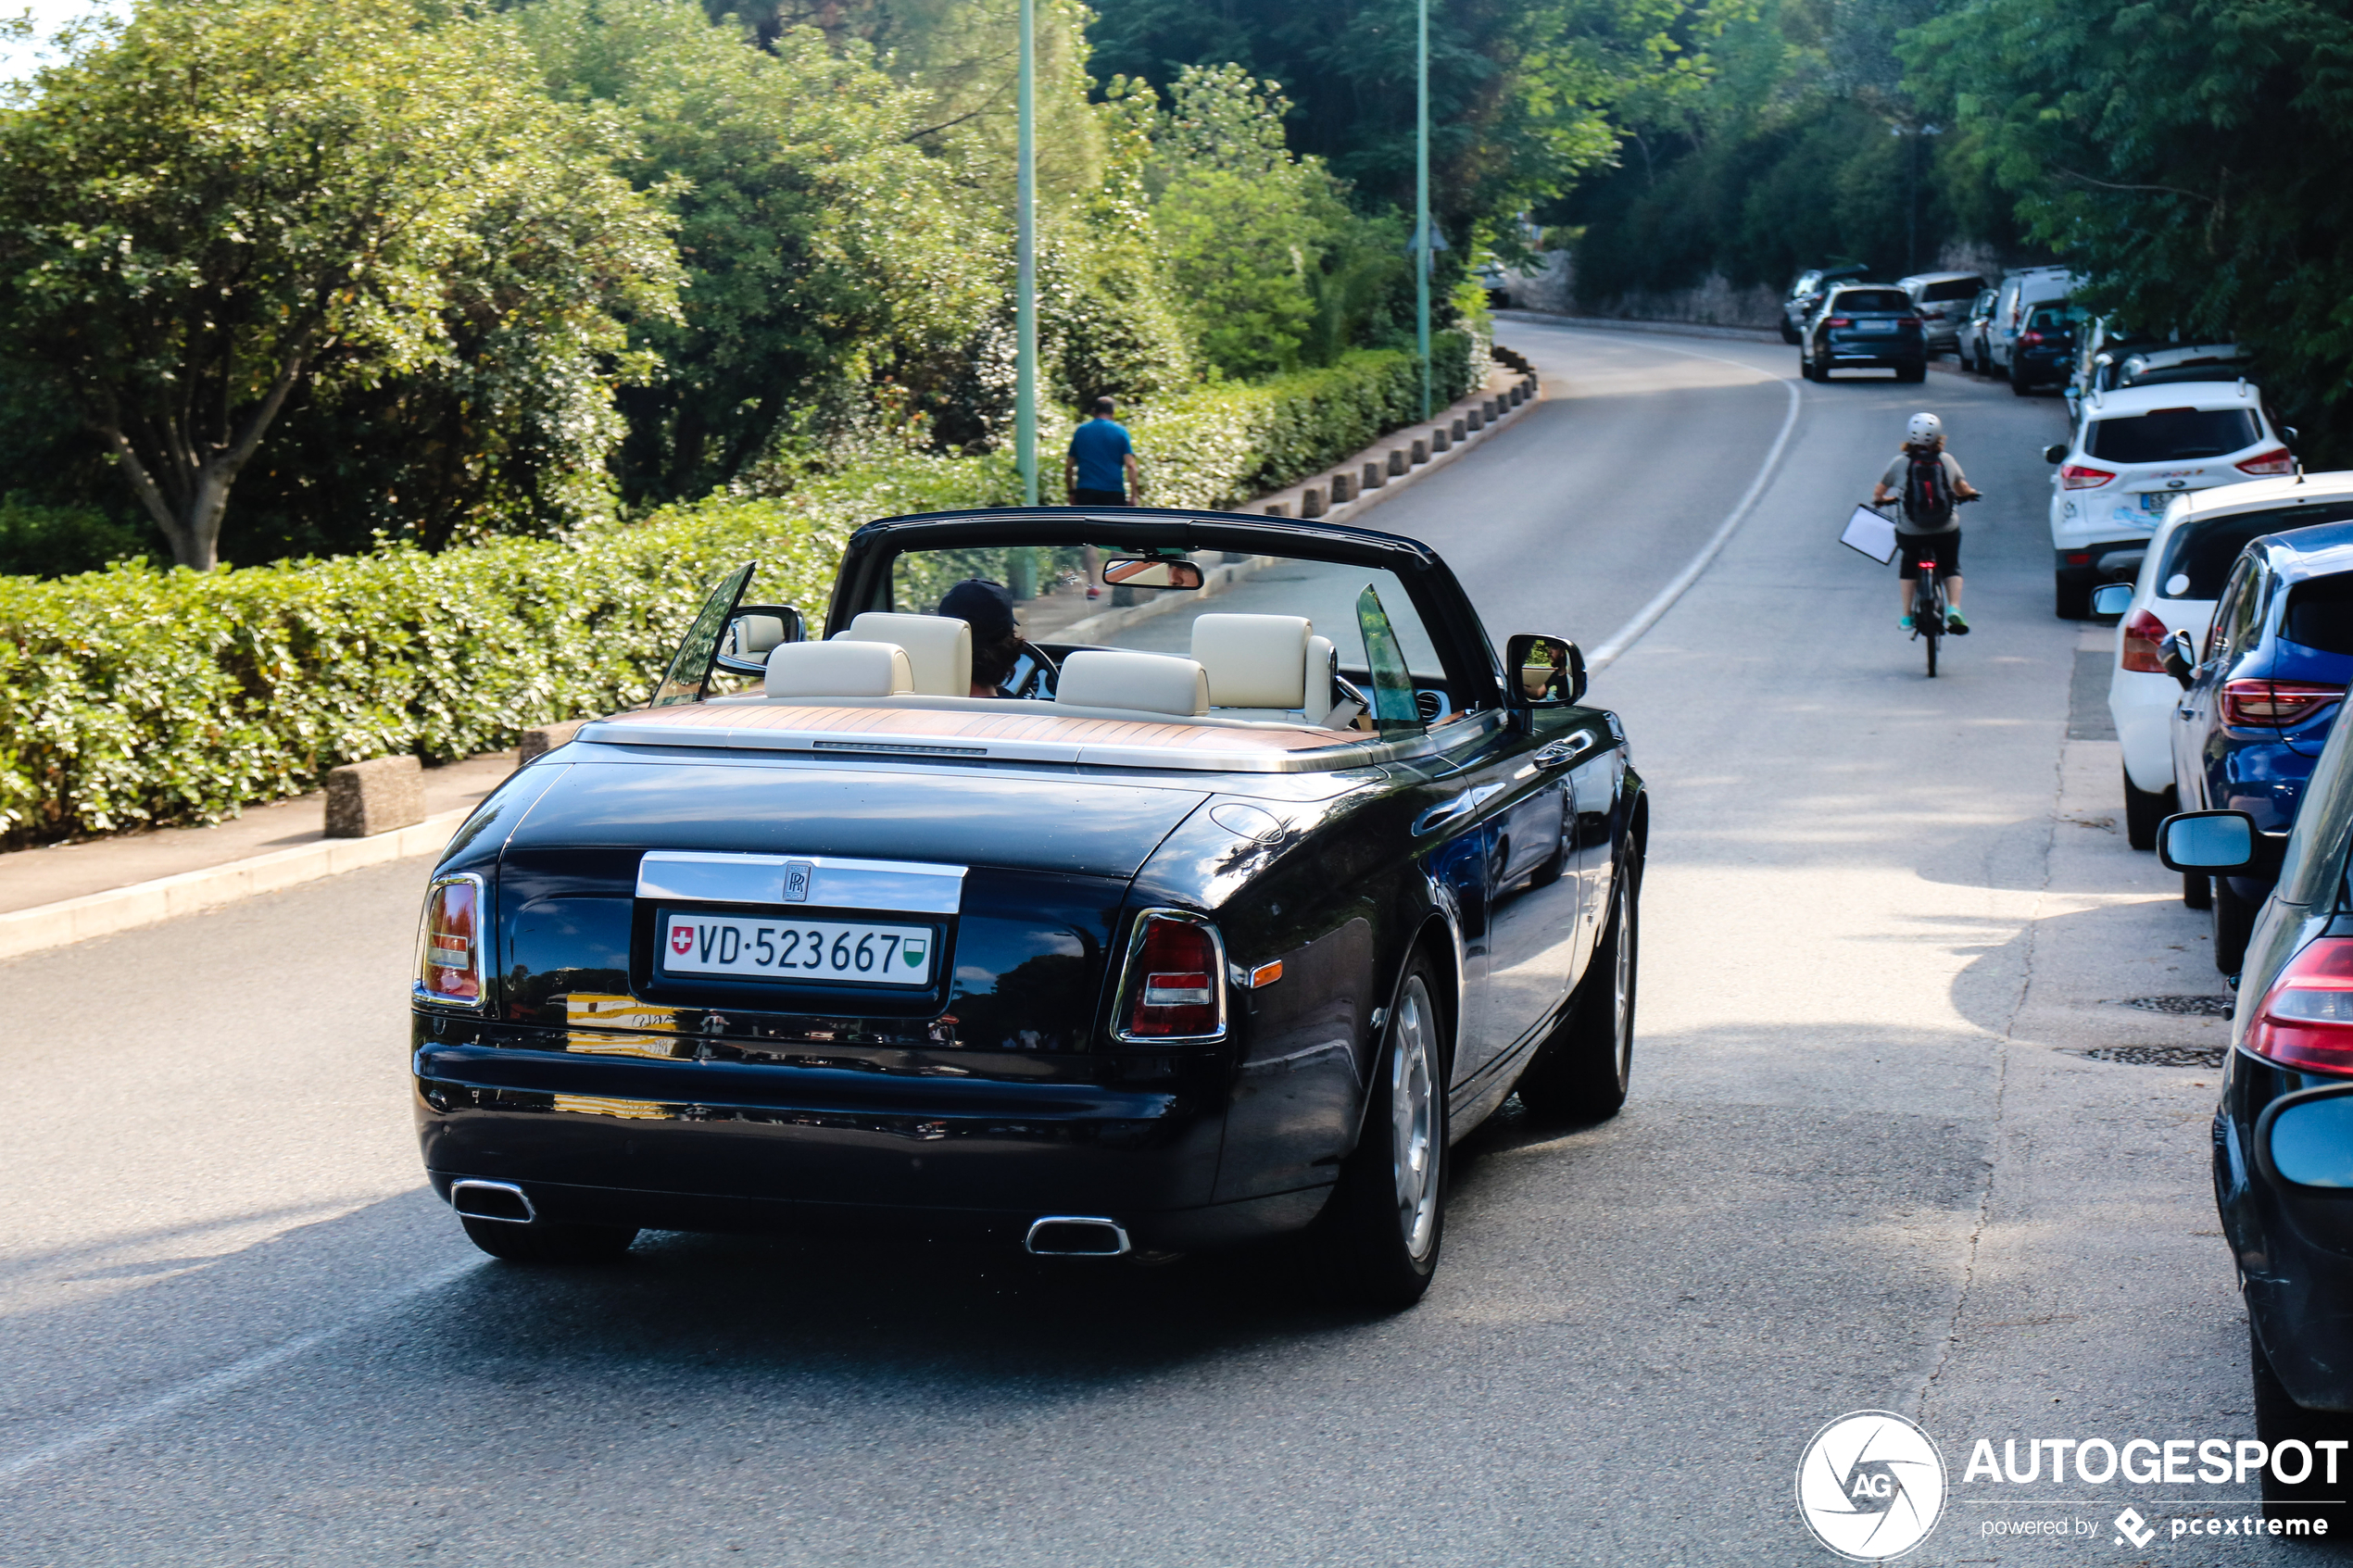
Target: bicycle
1929	609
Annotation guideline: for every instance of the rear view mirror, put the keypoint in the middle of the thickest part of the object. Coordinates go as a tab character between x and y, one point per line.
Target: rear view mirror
1150	571
2112	599
2055	452
2288	430
754	633
1545	671
2206	841
2181	658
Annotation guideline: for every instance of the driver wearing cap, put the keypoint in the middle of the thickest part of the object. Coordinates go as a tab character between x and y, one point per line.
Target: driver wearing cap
988	609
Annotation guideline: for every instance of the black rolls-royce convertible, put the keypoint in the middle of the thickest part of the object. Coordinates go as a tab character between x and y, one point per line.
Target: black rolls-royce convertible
1202	879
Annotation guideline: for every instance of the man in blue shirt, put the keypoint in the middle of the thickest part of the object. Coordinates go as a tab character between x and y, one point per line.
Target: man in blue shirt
1101	469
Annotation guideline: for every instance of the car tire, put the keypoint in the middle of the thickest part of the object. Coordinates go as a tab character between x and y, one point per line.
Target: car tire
1805	366
2070	601
1387	1218
2234	922
2020	385
543	1241
1582	1073
2143	808
1912	373
1789	335
2279	1419
2197	890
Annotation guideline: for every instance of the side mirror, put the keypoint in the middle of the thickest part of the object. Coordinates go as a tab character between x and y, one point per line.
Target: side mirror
1543	672
2288	430
2112	599
2056	452
2181	658
1150	571
2218	843
755	633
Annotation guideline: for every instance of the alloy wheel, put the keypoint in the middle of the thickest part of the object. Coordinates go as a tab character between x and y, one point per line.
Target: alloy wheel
1413	1101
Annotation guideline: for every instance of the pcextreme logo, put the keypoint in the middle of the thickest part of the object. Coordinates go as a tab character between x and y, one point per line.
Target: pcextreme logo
1870	1486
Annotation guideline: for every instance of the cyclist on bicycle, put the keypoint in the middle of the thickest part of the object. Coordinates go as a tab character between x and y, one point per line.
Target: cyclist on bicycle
1930	481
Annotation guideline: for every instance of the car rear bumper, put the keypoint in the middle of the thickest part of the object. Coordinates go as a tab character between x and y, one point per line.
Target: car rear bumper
685	1145
2142	706
2294	1251
2106	560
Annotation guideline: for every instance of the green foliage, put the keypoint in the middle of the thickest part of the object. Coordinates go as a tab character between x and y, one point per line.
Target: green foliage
228	200
47	541
135	697
2190	156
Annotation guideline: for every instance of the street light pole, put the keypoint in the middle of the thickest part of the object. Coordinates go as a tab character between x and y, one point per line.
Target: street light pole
1421	199
1025	263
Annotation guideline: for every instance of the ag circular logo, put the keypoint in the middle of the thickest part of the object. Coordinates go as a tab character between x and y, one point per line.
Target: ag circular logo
1871	1486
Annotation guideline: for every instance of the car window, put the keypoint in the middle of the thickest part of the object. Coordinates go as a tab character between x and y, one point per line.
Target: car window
2050	319
2320	614
2167	435
2235	593
2316	851
1959	288
2201	550
1894	300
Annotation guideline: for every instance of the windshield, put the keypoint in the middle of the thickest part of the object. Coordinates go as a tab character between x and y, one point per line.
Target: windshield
1873	301
1960	288
2168	436
2198	556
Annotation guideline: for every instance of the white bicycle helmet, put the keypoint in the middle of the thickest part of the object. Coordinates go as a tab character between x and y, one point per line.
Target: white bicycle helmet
1924	428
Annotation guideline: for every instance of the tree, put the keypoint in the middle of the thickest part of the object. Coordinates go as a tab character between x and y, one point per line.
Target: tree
225	203
2190	156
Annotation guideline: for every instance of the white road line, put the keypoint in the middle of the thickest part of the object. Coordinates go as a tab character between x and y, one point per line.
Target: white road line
234	1375
1624	638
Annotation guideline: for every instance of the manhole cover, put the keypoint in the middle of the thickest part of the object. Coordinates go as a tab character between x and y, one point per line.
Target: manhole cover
2183	1007
2159	1055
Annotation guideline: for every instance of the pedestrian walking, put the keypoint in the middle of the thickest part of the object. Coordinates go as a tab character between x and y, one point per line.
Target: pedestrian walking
1100	467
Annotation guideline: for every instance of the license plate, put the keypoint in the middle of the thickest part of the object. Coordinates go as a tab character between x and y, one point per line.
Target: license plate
838	951
2154	500
1872	329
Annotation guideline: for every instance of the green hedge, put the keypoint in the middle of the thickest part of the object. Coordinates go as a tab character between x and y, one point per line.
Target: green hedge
136	696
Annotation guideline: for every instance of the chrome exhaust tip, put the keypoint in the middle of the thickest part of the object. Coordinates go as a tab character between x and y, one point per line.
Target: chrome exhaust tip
1075	1235
492	1200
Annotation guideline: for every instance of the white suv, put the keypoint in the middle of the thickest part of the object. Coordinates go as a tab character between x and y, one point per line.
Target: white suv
2136	449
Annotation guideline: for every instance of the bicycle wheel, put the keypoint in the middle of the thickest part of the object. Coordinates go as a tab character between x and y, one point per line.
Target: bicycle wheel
1934	638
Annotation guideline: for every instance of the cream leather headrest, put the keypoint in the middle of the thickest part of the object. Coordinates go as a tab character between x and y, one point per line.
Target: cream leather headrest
939	648
839	669
1253	660
1148	683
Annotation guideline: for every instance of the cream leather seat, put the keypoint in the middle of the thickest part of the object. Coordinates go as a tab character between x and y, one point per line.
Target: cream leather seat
1273	666
839	669
939	648
1143	682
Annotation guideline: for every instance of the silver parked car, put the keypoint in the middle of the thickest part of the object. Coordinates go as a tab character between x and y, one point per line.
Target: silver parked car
1970	344
1943	299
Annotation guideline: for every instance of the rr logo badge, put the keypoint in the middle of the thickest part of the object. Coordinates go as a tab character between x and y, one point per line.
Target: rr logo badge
797	875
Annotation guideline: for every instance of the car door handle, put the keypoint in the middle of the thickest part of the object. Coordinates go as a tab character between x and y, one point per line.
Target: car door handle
1447	811
1558	755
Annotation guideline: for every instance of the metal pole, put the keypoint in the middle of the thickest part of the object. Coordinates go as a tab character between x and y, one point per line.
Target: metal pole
1421	202
1026	264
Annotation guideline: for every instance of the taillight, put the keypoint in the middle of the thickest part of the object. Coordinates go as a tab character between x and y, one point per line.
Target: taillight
2143	643
1840	322
1175	979
449	942
2076	476
2029	337
2306	1019
2278	460
2257	704
1908	321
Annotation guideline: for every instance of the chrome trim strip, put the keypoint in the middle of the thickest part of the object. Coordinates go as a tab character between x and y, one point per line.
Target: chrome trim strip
1127	973
825	881
1029	1242
530	1214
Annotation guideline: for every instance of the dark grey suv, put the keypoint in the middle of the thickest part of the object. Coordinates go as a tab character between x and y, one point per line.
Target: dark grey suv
1864	327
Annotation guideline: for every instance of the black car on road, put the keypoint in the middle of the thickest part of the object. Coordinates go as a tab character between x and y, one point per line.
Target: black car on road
1216	916
1862	327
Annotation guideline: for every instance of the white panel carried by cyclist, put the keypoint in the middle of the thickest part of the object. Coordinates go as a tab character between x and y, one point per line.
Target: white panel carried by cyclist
1930	481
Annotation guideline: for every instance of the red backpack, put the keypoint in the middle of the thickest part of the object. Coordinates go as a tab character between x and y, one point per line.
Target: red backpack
1928	491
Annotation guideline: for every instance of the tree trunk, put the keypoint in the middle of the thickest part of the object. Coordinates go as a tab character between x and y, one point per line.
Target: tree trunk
186	489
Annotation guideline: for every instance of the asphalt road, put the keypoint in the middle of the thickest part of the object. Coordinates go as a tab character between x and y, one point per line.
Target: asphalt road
1863	1165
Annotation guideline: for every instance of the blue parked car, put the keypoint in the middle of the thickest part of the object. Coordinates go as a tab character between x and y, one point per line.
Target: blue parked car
2284	1133
2258	703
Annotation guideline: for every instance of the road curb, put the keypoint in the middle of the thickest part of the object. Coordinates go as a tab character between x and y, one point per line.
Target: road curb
167	898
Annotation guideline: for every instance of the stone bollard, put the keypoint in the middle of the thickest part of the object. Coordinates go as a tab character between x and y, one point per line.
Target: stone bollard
1439	441
1518	395
1373	478
367	798
1401	459
544	738
1489	411
1276	508
1458	431
1311	501
1344	488
1471	420
1530	384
